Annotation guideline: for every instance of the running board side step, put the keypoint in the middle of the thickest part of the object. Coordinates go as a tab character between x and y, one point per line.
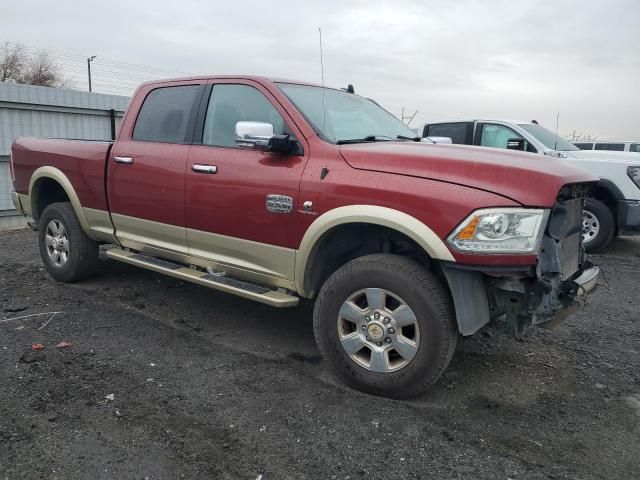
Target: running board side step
241	288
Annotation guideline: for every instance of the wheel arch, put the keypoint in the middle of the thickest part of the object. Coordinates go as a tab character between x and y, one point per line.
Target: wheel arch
341	219
608	193
46	186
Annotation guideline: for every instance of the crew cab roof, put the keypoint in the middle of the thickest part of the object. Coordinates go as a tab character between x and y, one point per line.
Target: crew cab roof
256	78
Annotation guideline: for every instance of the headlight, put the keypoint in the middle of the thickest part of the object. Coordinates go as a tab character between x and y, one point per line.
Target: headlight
500	230
634	174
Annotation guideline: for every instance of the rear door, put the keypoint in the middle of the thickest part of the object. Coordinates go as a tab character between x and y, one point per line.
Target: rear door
459	132
147	166
229	215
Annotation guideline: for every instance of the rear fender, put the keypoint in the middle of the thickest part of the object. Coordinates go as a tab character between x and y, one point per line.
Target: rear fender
62	180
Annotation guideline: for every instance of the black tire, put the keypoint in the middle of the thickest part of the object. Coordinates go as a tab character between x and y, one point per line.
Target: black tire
591	240
426	297
82	258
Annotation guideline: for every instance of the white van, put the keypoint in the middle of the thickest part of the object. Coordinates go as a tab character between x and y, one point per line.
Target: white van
612	146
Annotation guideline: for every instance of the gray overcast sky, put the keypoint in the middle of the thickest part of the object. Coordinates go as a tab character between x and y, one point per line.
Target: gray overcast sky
504	58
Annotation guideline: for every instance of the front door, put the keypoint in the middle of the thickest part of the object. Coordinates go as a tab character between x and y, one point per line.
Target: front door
228	217
495	135
146	172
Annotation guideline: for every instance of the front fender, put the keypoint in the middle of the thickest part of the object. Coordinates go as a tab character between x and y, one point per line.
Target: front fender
372	214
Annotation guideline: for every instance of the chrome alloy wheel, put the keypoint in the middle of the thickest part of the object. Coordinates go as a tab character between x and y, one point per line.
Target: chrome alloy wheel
590	226
57	243
378	330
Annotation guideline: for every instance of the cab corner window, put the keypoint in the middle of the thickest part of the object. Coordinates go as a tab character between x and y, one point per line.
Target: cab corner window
165	113
232	103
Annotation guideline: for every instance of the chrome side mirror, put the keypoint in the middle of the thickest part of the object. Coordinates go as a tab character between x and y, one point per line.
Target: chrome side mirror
516	144
254	135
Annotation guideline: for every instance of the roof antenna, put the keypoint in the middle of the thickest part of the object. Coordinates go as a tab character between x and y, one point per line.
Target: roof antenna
324	170
555	146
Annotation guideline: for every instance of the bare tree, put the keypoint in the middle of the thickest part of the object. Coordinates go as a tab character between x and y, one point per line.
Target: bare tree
37	69
12	62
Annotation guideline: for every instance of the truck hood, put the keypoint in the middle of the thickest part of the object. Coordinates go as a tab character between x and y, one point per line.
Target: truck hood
531	180
626	158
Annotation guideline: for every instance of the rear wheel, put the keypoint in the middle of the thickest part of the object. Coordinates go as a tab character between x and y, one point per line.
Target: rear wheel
68	254
385	325
598	225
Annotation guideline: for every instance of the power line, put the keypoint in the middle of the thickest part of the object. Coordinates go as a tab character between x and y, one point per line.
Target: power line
107	75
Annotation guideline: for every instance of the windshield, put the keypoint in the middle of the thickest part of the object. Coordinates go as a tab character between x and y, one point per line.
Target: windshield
348	116
548	138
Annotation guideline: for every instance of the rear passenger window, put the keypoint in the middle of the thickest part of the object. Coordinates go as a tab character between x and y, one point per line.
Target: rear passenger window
164	116
618	147
457	132
634	147
230	104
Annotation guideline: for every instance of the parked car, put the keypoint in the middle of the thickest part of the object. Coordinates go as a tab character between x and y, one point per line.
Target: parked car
633	147
248	186
613	208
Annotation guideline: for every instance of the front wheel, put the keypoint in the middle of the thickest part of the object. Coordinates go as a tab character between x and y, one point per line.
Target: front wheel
386	325
67	252
598	225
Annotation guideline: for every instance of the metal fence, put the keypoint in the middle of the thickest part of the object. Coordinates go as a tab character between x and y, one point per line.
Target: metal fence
27	110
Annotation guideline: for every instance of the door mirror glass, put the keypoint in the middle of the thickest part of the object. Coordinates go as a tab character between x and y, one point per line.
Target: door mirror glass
254	135
516	144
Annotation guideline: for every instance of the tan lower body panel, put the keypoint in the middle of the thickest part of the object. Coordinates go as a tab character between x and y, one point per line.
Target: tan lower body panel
147	232
273	298
100	224
266	264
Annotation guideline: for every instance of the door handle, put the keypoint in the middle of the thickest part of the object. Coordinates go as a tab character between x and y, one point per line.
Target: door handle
124	160
211	169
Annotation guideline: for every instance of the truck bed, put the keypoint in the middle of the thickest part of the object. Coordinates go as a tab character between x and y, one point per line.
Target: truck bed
83	162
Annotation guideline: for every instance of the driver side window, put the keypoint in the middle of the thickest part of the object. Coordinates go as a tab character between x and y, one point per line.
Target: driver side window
230	104
497	136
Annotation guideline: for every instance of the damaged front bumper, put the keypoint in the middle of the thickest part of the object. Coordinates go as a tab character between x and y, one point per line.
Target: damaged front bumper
544	294
523	297
541	301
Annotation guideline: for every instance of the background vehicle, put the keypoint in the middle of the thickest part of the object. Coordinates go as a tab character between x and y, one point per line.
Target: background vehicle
613	207
249	186
633	147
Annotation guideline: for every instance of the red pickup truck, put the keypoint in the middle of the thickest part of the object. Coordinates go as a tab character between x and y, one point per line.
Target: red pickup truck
280	190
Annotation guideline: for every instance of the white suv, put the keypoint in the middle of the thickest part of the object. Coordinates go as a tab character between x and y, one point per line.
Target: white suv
614	208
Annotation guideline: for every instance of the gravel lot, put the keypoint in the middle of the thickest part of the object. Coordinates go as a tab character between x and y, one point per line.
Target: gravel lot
206	385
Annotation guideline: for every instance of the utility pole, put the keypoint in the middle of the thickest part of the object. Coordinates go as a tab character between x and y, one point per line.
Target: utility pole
89	60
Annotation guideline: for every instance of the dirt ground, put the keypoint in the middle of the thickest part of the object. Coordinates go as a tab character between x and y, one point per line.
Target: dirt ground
166	380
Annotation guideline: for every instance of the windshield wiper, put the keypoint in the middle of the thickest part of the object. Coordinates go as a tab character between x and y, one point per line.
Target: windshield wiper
404	137
368	138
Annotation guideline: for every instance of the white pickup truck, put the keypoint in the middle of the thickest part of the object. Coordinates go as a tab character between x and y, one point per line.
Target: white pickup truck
614	208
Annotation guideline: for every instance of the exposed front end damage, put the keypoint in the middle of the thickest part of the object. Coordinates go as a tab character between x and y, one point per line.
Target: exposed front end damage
543	295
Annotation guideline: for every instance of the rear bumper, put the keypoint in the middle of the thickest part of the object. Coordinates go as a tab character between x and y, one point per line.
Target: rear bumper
629	217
